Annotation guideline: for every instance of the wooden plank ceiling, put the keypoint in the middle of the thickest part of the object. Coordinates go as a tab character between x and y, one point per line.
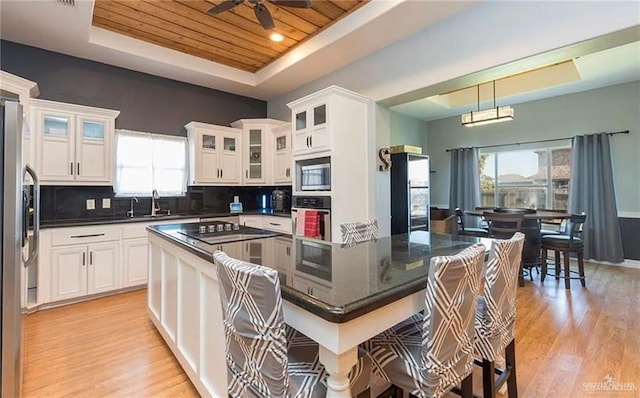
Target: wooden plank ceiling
234	38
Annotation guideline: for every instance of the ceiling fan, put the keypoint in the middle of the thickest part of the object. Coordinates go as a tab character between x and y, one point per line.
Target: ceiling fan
262	13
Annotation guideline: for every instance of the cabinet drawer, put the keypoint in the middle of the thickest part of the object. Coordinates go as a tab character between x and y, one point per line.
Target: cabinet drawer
81	235
278	224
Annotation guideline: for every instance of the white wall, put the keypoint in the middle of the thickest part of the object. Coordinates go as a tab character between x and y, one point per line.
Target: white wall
608	109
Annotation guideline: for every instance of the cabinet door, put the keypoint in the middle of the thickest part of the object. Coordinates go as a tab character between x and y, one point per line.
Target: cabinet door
68	272
319	140
231	162
301	143
251	221
104	262
254	156
208	169
282	158
135	256
232	249
283	260
55	132
254	252
93	149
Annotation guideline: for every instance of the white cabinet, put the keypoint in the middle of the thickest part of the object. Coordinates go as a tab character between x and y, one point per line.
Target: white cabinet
23	90
135	255
214	154
282	154
251	221
74	143
334	124
310	128
81	270
277	224
258	154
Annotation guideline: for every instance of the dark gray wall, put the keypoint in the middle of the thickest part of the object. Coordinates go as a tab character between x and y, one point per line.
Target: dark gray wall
147	103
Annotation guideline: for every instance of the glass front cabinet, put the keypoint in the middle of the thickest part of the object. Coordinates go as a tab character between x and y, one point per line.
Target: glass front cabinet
74	143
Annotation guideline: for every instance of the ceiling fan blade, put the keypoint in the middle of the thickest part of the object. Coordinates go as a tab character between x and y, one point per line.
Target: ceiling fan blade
293	3
264	16
224	6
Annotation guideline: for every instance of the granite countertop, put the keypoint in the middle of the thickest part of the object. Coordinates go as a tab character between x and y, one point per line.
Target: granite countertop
147	218
345	282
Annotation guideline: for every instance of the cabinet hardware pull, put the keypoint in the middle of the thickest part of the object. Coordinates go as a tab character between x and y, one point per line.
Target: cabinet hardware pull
90	258
311	141
307	142
272	223
78	168
71	169
221	173
85	236
84	256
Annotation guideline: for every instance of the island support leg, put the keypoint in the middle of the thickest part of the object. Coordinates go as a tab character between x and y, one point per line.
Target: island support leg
338	367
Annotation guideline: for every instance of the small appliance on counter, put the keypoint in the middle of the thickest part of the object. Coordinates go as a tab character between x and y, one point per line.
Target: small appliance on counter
235	207
280	200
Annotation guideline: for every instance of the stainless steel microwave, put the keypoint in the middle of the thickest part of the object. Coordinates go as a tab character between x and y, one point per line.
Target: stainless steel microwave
316	177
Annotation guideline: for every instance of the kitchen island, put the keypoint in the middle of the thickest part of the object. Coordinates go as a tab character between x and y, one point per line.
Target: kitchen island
339	296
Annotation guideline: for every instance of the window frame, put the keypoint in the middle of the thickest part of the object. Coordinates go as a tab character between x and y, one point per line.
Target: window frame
548	185
151	137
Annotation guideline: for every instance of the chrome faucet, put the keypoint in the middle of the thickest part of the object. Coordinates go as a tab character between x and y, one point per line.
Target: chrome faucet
130	212
155	206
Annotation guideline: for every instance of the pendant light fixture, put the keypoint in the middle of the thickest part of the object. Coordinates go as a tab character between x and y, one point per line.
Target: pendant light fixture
494	115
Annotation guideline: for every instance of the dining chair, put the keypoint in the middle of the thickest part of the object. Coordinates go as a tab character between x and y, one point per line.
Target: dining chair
429	355
496	315
265	358
468	231
503	225
566	244
356	232
553	226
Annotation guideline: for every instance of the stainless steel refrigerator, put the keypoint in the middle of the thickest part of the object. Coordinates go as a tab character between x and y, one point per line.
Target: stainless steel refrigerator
14	216
410	196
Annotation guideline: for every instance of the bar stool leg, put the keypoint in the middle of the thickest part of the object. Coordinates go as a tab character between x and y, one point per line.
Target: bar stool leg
581	269
488	382
510	359
567	271
557	255
543	264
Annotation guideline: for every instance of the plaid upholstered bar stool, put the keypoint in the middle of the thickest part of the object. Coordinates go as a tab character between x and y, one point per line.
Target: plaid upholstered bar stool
430	355
265	358
496	315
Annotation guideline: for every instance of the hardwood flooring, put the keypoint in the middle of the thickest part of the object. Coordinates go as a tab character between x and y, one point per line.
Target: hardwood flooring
565	338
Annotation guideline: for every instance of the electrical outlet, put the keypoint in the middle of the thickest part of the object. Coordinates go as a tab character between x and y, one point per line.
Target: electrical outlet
91	204
106	203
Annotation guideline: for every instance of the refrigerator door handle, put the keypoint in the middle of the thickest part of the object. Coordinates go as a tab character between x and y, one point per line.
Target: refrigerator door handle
35	242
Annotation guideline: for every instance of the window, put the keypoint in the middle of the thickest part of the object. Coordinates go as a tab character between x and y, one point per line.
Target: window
146	161
522	178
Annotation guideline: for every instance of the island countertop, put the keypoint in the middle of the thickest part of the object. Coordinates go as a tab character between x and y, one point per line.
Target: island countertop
334	281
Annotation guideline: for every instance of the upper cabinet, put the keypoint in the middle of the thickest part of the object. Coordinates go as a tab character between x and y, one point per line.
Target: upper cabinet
23	90
310	128
74	143
258	149
214	154
282	154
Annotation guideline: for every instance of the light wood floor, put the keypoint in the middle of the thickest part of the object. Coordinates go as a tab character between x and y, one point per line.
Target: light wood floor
108	347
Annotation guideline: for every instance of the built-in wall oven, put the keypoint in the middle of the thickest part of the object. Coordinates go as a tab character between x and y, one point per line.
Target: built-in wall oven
312	217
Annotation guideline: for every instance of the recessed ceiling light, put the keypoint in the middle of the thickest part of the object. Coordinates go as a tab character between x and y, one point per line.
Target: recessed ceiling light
276	37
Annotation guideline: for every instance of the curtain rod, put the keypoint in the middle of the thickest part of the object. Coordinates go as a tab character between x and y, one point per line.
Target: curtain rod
534	142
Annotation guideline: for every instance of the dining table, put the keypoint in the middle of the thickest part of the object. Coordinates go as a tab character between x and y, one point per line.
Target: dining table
530	227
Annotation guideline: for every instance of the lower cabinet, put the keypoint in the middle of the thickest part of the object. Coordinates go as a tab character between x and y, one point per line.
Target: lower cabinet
135	254
82	270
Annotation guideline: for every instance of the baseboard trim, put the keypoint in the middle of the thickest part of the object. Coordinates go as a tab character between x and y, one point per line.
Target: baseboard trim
628	263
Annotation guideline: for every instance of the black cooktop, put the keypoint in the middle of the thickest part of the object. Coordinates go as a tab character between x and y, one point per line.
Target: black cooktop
217	232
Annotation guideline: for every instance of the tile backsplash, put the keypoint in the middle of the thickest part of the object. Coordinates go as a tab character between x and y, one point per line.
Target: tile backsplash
70	202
